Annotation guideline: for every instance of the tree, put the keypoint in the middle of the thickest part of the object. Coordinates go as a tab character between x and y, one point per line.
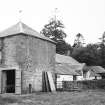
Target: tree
63	48
102	50
94	50
79	41
103	39
89	54
54	30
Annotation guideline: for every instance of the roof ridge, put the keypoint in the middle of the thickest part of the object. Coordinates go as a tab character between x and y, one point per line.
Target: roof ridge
20	26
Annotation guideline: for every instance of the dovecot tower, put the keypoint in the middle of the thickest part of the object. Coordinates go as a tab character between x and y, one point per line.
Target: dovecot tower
24	55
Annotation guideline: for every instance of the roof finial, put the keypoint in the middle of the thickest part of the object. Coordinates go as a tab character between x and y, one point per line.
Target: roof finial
55	13
20	15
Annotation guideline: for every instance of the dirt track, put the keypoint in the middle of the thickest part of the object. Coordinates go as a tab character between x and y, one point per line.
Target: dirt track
96	97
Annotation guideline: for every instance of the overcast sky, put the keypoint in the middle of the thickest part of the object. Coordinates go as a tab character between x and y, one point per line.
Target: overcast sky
79	16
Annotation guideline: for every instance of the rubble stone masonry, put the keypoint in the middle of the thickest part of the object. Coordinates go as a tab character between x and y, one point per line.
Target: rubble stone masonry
32	55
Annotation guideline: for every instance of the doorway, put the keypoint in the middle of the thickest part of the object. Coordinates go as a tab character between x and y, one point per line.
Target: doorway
8	81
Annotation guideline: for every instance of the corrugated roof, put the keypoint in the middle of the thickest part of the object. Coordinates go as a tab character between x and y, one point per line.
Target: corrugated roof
22	28
66	59
65	69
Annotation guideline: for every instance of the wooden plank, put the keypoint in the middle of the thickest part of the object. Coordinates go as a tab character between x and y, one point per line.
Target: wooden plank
47	83
51	82
43	82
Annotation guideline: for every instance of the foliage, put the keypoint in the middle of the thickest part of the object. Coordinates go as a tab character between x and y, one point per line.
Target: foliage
102	50
63	48
54	30
79	41
92	54
89	54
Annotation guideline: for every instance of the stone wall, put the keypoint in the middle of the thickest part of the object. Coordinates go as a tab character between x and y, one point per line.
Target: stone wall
32	55
83	85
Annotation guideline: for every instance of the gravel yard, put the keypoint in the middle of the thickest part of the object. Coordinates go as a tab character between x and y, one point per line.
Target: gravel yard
90	97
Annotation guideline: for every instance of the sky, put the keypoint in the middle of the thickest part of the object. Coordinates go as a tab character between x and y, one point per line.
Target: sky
79	16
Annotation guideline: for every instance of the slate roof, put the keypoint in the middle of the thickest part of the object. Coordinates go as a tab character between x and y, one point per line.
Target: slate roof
65	69
95	69
22	28
68	65
66	59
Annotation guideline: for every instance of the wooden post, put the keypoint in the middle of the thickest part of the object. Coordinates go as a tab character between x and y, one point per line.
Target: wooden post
0	81
56	81
18	82
43	82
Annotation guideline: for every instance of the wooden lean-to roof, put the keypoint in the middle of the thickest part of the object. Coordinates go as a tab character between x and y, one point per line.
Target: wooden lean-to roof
22	28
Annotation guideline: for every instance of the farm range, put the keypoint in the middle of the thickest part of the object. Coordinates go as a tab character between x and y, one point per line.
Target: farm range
90	97
59	65
31	70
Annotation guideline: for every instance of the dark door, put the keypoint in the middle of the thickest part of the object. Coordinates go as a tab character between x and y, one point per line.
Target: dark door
9	81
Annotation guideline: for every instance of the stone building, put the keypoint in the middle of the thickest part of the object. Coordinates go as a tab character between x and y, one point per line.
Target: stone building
24	55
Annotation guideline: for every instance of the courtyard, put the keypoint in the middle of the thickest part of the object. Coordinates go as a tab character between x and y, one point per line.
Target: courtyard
88	97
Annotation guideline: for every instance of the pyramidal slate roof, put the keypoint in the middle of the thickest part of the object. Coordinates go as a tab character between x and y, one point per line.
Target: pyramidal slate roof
20	27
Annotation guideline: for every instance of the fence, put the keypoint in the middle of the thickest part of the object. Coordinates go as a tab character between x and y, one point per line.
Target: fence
81	85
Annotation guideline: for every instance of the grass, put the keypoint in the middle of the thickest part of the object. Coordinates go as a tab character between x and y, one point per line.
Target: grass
90	97
5	100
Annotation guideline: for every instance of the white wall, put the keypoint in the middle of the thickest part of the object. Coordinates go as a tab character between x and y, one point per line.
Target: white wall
80	78
65	78
88	77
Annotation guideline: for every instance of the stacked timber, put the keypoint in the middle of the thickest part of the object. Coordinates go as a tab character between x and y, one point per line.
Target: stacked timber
47	82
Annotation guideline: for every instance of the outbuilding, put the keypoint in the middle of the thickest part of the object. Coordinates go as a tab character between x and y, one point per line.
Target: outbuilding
67	69
93	72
